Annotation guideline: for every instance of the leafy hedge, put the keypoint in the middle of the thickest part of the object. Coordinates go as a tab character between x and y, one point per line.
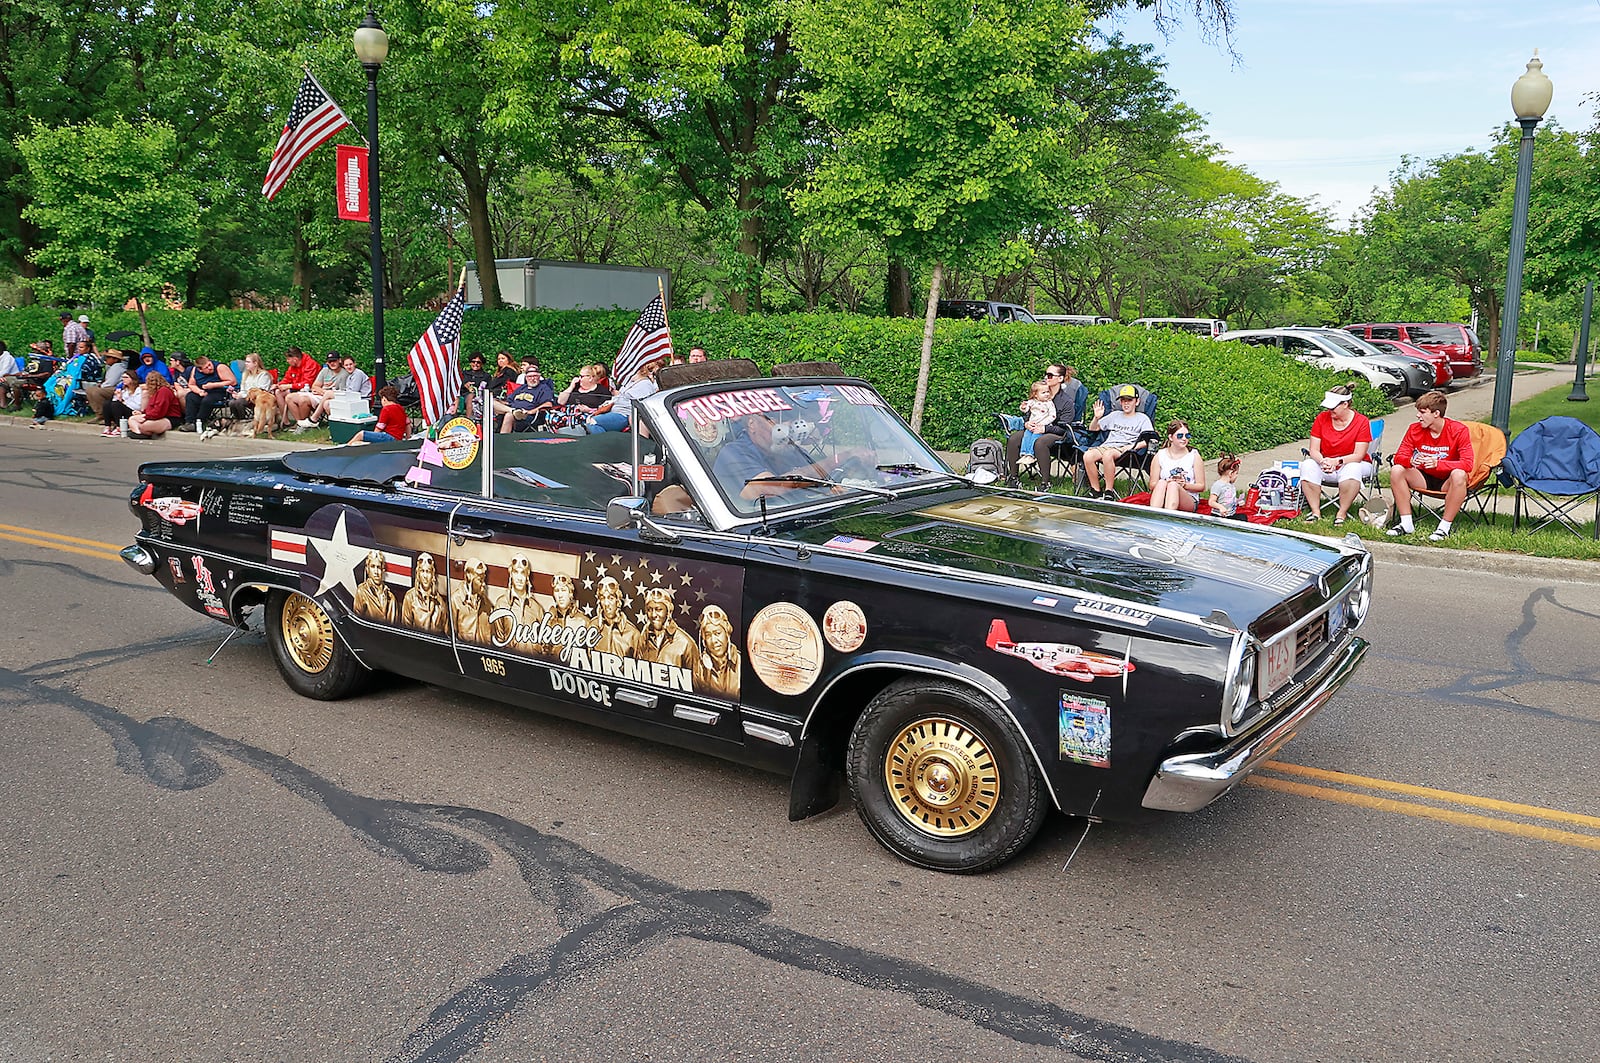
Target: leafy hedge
1236	397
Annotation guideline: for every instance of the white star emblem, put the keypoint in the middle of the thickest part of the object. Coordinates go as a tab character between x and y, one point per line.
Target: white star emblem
339	559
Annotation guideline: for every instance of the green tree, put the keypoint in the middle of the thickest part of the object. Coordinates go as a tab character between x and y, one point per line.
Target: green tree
945	128
120	222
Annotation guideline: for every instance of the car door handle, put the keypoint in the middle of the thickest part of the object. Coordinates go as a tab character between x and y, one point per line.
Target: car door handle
472	533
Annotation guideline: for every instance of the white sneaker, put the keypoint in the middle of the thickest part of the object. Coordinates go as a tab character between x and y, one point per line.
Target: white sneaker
305	423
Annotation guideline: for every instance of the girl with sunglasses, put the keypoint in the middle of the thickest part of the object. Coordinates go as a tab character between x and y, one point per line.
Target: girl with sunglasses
1180	472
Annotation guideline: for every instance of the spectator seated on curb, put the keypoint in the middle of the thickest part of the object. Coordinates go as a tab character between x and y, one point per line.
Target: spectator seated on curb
392	421
125	401
162	409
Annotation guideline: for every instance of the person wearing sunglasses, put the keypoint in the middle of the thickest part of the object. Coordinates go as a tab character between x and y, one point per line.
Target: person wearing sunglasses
1063	388
1180	472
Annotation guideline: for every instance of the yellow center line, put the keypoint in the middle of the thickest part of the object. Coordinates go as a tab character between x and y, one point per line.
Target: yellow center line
1443	815
1471	800
102	554
113	547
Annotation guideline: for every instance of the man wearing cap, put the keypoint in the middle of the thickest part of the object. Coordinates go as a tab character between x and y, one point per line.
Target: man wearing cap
528	400
83	319
98	392
1122	426
72	334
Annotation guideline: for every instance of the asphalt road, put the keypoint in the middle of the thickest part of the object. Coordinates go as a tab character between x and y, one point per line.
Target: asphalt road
199	865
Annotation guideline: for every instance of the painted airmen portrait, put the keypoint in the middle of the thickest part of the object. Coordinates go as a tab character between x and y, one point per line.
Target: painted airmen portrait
374	599
518	631
716	667
470	605
423	605
662	641
617	632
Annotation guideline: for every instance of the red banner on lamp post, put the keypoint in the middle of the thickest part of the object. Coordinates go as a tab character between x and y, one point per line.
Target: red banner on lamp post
351	182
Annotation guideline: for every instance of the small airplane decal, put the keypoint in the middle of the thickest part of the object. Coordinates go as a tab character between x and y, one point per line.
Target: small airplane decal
1059	658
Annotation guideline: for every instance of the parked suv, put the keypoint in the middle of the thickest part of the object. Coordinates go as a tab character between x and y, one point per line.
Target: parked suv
983	310
1452	339
1201	326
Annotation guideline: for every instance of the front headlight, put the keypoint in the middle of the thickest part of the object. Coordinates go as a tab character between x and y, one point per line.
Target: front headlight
1244	684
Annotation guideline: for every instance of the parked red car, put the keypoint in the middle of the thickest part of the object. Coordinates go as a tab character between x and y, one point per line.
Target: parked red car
1452	339
1443	374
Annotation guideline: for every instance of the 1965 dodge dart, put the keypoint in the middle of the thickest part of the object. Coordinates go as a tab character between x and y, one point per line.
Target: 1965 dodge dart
776	570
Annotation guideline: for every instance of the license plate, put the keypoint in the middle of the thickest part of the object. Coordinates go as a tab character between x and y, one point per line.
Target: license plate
1277	664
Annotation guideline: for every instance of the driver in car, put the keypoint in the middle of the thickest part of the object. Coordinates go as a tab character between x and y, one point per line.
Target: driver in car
763	450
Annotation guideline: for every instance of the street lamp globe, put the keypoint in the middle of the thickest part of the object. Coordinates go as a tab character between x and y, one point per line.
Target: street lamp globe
372	44
1530	95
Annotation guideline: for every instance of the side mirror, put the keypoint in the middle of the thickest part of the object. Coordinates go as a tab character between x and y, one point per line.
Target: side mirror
634	512
625	513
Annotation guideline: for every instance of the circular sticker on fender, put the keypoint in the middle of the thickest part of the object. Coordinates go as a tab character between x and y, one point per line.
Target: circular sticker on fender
785	648
845	626
458	442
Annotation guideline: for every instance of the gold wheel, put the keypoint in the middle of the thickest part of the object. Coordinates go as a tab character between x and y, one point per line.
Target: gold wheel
307	634
942	777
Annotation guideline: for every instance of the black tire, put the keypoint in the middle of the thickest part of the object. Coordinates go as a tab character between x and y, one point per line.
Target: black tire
968	794
308	653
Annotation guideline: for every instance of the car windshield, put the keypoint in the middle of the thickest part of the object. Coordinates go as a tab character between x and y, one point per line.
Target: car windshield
809	442
1359	348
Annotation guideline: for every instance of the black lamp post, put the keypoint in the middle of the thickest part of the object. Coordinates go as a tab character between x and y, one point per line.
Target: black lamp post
1580	389
372	48
1530	96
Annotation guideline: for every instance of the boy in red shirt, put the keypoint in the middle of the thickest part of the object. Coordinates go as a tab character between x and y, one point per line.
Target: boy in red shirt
302	370
1435	454
392	421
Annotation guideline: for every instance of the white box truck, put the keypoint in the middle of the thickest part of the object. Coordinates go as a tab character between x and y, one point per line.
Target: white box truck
545	284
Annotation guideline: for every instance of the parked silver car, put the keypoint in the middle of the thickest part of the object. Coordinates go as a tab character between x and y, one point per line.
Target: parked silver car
1314	347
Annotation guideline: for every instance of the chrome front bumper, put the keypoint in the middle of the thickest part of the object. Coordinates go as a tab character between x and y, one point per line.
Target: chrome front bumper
1192	781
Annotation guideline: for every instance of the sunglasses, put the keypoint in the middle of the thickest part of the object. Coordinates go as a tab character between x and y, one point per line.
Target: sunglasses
1180	435
1050	374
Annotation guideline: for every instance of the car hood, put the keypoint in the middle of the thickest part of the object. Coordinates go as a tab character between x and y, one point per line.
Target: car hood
1191	565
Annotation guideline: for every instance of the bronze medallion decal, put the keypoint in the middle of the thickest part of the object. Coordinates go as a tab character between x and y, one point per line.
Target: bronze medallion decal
845	626
785	648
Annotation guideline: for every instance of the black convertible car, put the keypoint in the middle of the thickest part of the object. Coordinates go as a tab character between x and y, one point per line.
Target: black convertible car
778	571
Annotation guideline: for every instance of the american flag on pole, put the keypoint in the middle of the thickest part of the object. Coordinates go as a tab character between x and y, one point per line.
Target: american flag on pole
313	120
648	341
435	360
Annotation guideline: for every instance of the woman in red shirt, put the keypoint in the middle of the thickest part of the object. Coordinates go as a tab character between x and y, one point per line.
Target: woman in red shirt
392	421
162	410
1340	438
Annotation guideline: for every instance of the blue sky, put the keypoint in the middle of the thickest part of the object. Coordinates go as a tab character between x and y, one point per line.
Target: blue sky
1325	96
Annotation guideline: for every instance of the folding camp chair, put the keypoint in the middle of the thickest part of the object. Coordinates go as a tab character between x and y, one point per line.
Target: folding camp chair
1554	466
1488	448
